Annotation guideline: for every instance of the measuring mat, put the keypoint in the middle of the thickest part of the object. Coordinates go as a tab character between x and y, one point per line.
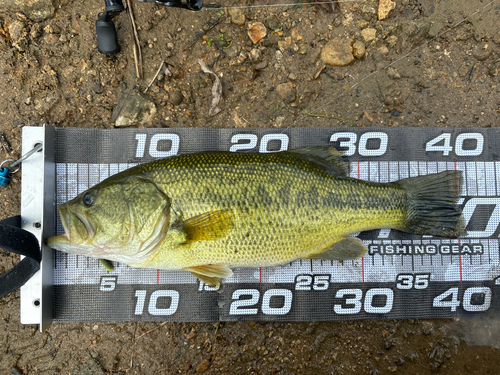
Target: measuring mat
401	276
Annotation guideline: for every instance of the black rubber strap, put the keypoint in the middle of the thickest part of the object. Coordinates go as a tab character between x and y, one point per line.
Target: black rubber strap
19	241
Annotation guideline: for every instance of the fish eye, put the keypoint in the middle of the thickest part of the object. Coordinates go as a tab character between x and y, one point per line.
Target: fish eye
88	200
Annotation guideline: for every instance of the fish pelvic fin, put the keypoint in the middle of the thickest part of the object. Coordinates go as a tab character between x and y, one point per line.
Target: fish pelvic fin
346	249
431	204
329	158
210	273
207	226
107	264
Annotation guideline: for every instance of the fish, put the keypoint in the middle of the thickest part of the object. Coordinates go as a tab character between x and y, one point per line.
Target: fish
211	212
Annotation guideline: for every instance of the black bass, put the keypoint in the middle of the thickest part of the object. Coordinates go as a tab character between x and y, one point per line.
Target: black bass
209	212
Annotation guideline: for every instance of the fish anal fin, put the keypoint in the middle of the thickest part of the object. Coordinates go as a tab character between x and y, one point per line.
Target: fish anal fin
346	249
210	273
207	226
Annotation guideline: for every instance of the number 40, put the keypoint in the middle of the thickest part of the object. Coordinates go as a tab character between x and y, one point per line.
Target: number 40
446	147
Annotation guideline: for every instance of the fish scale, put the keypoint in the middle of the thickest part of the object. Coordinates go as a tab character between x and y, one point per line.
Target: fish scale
210	211
280	227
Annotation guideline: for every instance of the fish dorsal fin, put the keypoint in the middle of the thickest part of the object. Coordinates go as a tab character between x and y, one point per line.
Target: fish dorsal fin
327	157
211	273
346	249
207	226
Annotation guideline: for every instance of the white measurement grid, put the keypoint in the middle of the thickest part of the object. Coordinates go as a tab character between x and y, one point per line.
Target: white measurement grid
481	179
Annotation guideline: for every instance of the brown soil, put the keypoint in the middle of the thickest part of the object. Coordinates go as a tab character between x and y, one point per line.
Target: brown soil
445	74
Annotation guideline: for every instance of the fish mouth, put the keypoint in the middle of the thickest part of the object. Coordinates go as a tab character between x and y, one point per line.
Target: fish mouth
66	238
64	215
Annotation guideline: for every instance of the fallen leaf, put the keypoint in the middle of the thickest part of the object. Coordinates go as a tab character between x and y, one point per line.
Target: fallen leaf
216	89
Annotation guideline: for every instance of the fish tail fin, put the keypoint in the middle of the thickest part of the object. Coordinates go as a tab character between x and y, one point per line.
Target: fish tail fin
431	204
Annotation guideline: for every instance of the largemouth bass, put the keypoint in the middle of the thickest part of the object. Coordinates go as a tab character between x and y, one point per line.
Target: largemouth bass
209	212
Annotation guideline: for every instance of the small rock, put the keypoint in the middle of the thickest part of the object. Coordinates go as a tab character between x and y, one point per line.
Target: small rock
296	35
278	123
368	34
285	42
272	24
35	31
237	16
412	355
292	76
369	12
384	7
241	58
286	92
51	39
363	24
482	51
391	40
260	65
203	366
383	50
18	34
414	33
392	368
347	19
358	49
388	343
133	109
393	73
255	55
256	31
272	41
427	328
176	97
36	10
337	52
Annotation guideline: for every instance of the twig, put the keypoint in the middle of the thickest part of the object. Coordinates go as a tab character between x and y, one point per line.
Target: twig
318	115
137	53
156	75
96	362
151	330
136	60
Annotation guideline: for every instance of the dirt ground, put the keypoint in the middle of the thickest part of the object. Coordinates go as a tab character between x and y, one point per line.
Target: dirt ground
430	63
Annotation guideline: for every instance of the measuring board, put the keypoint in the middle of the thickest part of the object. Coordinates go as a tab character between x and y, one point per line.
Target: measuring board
401	276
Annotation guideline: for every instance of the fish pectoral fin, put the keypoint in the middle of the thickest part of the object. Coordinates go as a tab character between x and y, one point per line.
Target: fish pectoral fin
346	249
210	273
207	226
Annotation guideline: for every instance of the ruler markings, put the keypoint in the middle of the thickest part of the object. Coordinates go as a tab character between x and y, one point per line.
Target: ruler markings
483	182
481	178
374	171
497	173
471	178
490	178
